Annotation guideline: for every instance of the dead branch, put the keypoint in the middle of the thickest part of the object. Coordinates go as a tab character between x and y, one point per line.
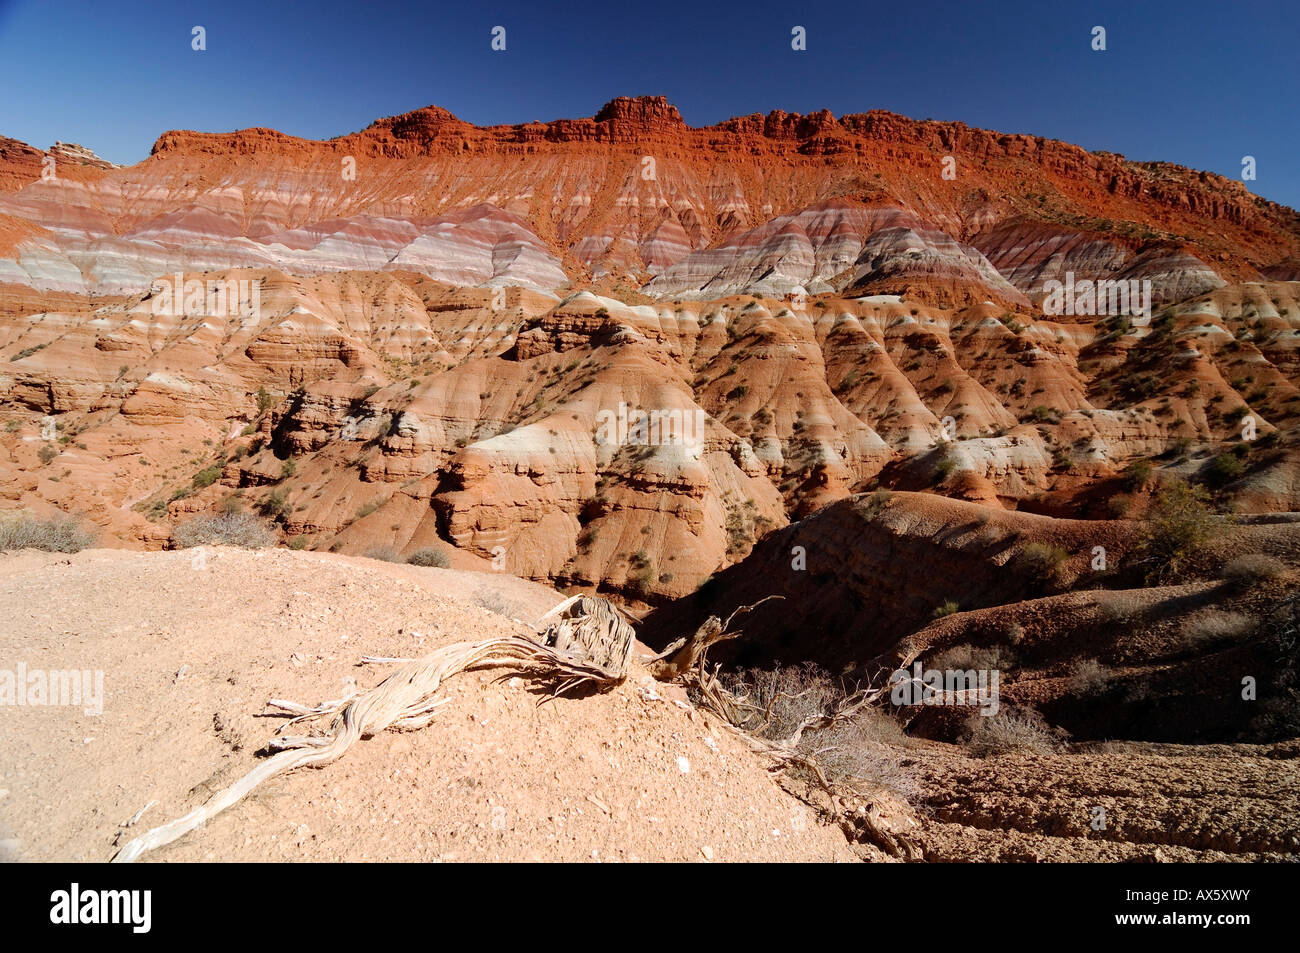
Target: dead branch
585	640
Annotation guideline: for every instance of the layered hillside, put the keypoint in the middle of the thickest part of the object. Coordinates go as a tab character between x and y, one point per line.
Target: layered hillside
365	409
870	202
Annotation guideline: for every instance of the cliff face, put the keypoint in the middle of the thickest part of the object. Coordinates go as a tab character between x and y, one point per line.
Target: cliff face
870	202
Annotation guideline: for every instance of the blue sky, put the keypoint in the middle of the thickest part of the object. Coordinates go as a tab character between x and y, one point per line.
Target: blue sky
1194	82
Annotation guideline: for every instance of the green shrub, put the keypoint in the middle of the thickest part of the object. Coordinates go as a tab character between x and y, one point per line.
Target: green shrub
1223	469
275	505
1180	525
947	607
206	477
1042	562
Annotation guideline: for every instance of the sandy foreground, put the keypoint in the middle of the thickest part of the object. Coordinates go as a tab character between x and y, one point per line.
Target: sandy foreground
633	774
191	651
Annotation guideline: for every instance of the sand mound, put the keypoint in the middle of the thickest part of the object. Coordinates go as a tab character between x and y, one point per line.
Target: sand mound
190	652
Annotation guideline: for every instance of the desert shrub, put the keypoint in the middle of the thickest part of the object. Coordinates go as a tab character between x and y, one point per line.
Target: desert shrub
643	580
1042	562
53	534
1180	525
779	700
776	702
858	747
967	657
275	505
947	607
944	468
1223	469
428	557
223	529
1208	629
47	453
875	504
1010	731
1137	473
495	602
1088	677
206	477
1252	570
387	553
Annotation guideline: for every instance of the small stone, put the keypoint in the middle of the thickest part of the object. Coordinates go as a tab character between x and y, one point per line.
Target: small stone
707	851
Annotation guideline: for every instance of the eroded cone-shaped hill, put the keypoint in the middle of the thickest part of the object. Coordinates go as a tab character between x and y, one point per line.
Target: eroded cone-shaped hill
365	409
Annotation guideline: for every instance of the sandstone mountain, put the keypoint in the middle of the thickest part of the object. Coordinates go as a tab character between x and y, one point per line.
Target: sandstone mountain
871	202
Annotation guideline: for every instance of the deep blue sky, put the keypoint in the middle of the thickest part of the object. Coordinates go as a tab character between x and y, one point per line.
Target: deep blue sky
1195	82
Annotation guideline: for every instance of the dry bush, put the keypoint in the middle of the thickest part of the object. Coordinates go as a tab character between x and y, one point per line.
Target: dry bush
1214	627
224	529
1120	607
1088	677
1042	563
1010	731
495	602
54	534
387	553
428	557
862	747
780	700
1252	569
967	657
855	747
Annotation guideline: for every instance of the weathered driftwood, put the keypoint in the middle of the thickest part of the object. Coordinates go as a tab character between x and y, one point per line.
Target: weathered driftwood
584	640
